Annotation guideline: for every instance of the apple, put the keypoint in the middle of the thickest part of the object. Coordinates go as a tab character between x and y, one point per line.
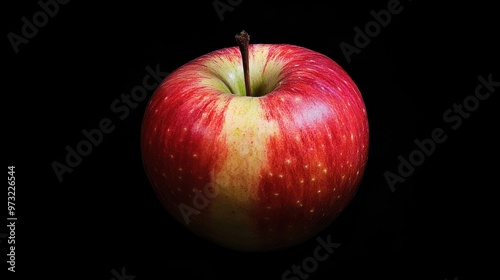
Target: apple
256	148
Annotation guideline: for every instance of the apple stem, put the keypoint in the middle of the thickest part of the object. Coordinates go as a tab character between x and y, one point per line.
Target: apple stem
243	39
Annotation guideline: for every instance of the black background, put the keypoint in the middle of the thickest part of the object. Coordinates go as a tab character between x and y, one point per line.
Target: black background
438	224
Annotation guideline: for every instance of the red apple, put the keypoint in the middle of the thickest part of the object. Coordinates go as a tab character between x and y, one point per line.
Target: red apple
262	168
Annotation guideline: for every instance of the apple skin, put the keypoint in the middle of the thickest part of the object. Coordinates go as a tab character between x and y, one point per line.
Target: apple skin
262	172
